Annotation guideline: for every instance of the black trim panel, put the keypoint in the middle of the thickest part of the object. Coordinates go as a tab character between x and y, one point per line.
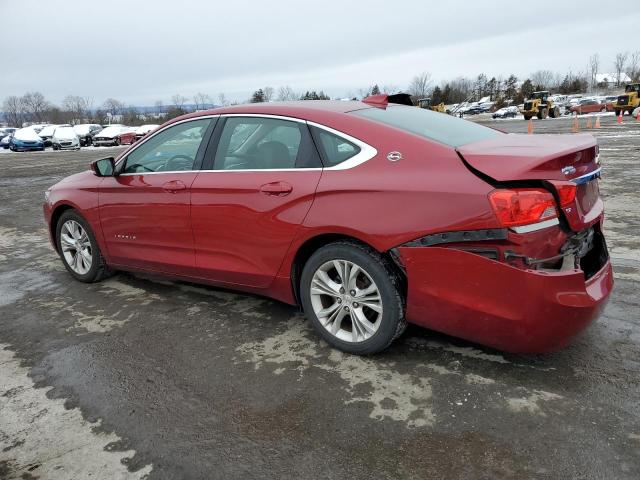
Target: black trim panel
459	236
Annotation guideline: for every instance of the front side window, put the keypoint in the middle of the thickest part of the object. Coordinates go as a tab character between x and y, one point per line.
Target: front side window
262	143
173	149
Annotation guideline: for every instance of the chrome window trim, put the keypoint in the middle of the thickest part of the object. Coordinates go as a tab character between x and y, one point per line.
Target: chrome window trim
532	227
366	153
148	137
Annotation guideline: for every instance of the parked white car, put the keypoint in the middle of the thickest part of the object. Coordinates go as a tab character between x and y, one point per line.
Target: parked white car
65	138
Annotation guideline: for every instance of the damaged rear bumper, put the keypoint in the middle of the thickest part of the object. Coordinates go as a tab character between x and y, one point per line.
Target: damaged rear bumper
490	302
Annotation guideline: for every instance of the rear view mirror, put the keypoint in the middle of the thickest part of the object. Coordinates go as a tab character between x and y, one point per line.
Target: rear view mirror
105	167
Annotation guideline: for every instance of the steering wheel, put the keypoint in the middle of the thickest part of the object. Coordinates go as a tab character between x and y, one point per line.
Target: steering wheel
179	162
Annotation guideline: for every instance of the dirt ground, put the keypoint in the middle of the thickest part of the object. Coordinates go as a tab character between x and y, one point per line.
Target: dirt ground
140	376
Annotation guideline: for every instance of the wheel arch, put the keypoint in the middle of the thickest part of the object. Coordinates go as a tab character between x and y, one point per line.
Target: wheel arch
314	243
55	217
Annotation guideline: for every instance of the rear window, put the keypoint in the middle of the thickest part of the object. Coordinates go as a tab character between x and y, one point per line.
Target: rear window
443	128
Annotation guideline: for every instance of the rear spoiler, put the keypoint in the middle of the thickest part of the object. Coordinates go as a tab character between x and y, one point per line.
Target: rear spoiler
383	99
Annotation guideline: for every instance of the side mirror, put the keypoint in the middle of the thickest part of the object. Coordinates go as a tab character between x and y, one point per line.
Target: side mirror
105	167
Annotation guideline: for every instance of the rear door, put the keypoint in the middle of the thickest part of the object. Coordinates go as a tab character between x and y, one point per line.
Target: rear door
251	197
145	211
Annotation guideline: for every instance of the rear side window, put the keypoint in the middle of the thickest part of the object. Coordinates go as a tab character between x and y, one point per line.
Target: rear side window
436	126
333	148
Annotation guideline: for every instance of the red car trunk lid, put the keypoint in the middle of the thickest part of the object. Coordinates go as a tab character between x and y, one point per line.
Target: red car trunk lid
544	157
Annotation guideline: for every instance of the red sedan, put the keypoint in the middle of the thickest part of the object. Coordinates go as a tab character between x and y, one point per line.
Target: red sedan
591	106
114	135
368	215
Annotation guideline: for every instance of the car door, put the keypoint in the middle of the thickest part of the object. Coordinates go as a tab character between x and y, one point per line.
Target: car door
257	188
145	209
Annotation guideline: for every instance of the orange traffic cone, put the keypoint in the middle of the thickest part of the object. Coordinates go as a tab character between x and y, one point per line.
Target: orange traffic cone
597	125
576	125
589	122
620	116
530	127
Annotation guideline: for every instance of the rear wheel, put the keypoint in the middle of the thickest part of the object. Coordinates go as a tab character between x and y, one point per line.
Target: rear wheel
352	296
79	249
617	112
527	117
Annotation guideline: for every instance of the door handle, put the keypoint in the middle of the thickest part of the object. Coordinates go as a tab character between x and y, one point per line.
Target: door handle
278	189
174	186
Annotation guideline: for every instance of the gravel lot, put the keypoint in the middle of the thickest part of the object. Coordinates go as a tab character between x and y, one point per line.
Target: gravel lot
141	376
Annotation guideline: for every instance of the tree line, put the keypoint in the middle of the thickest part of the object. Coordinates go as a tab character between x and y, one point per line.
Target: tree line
33	107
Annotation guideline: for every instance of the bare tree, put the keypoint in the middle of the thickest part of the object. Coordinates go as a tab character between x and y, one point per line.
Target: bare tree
13	110
158	106
222	100
542	79
594	67
178	100
619	65
633	66
201	100
390	88
268	93
77	108
287	93
113	106
35	105
420	85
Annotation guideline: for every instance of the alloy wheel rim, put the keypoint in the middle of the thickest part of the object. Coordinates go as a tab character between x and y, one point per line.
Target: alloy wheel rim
346	301
76	247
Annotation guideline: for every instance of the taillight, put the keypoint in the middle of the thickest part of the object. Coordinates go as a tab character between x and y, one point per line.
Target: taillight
566	192
522	206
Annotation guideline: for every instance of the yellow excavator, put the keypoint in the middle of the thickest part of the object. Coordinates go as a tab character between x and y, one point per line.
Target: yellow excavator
628	101
427	103
541	106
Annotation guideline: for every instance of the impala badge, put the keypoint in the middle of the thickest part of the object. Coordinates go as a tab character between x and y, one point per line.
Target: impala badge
394	156
568	170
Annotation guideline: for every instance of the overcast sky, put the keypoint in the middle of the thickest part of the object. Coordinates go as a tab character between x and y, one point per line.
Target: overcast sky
142	51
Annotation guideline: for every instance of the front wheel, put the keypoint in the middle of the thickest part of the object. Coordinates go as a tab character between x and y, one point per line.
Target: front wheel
352	296
79	249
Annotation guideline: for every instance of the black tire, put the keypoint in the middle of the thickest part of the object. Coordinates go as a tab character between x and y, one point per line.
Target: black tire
617	112
99	269
386	278
527	117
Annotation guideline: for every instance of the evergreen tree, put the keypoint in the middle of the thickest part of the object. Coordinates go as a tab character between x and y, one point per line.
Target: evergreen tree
511	87
258	96
446	94
436	96
375	90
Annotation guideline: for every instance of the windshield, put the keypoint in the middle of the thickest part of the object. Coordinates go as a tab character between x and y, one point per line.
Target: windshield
632	87
28	134
47	131
540	95
82	129
436	126
65	132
